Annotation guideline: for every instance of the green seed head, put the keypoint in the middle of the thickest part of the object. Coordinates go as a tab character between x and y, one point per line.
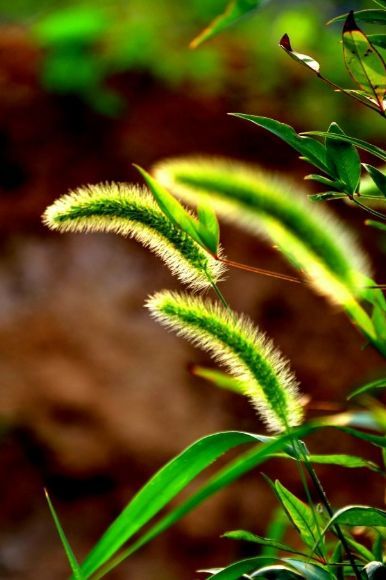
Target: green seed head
235	343
322	248
131	211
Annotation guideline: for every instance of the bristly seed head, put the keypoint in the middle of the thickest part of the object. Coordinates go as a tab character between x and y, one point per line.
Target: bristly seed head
246	353
322	248
131	211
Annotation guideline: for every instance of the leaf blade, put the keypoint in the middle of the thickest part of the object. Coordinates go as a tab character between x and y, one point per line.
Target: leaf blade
235	10
159	490
373	149
77	573
310	148
363	62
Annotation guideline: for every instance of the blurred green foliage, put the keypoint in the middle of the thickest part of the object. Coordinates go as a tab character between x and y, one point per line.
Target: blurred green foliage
86	44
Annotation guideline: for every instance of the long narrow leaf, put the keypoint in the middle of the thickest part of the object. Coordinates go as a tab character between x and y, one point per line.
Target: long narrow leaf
235	10
160	489
77	574
225	476
309	148
373	149
249	537
373	385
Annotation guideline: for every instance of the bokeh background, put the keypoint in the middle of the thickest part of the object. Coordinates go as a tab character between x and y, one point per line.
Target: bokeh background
94	396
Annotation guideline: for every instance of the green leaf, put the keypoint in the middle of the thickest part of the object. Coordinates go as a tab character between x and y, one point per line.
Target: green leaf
299	513
373	149
343	160
377	547
220	379
249	537
376	225
381	3
356	515
359	515
275	531
321	179
378	384
209	228
278	572
303	59
161	489
363	62
309	148
236	570
77	574
235	10
224	477
308	570
171	207
377	176
372	16
377	40
361	550
349	461
326	196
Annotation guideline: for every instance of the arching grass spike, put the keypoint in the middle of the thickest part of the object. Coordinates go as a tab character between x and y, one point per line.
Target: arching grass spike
239	346
131	211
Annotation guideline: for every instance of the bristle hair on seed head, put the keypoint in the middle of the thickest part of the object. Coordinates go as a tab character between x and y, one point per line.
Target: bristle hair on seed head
239	346
131	211
320	246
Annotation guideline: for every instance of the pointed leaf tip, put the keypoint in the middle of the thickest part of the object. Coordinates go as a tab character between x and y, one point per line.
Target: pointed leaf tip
285	42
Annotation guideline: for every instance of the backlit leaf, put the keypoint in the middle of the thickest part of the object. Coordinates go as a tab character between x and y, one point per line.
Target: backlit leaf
170	206
237	570
220	379
308	570
249	537
372	16
378	177
306	146
235	10
377	40
376	225
378	384
373	149
160	490
364	63
358	515
343	160
208	227
303	59
299	513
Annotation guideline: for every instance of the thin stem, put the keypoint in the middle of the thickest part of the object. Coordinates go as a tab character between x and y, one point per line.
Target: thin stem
349	94
323	496
299	465
373	212
254	270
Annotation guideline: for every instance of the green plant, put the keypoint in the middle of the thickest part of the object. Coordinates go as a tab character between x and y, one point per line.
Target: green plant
327	258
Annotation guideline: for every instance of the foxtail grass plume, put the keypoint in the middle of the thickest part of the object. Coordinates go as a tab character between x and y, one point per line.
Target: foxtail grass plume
245	352
131	211
322	248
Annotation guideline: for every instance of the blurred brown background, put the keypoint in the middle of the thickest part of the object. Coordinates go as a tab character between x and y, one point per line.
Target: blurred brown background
95	396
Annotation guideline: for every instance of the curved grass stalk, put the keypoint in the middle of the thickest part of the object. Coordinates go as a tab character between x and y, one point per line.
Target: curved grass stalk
323	249
241	348
131	211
